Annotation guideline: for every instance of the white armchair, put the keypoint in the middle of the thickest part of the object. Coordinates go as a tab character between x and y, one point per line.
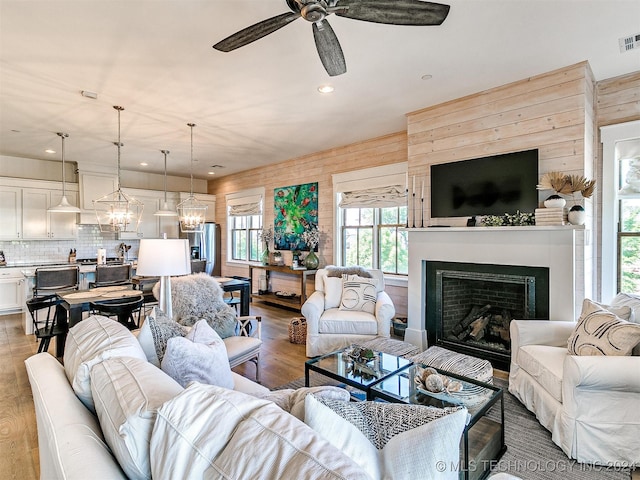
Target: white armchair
589	403
330	328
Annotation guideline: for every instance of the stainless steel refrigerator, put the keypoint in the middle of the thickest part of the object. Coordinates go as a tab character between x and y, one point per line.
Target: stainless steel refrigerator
206	246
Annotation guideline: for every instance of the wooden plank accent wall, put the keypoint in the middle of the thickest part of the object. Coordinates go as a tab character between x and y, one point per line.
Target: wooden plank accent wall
318	167
553	112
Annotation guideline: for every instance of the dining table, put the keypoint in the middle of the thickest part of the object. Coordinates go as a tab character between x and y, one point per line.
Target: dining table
78	301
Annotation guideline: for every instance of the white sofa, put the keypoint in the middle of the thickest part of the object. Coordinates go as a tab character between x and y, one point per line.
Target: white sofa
330	328
146	422
591	404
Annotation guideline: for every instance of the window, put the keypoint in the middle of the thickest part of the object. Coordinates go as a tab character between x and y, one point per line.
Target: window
244	225
245	241
373	238
620	248
372	217
629	225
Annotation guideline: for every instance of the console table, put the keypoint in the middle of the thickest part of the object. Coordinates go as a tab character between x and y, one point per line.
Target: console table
291	302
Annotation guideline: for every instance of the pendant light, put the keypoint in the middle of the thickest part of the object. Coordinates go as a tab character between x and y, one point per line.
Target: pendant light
165	211
64	206
191	213
118	212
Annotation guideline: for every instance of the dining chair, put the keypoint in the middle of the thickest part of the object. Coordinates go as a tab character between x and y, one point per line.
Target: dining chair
127	310
45	314
58	279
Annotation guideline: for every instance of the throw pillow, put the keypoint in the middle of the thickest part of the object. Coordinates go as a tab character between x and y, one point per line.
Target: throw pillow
154	334
332	292
601	332
292	401
200	356
127	393
210	432
633	302
358	294
333	271
376	435
90	342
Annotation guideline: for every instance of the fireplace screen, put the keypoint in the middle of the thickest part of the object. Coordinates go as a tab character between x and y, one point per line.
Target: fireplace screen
476	308
470	306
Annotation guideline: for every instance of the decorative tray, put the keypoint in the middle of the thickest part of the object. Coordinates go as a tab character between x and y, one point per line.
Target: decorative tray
282	294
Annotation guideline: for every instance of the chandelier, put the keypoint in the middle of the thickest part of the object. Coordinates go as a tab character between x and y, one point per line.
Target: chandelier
191	213
118	212
165	211
64	206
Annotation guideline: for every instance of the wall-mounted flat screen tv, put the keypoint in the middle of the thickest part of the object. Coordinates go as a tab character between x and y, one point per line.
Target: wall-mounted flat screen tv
485	186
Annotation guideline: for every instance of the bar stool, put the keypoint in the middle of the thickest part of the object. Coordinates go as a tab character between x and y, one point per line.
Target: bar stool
108	275
45	314
58	279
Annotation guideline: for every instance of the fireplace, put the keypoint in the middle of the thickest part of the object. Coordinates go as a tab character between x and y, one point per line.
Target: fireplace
469	306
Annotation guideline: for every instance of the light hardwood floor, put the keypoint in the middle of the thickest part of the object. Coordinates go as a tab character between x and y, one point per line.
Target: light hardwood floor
280	362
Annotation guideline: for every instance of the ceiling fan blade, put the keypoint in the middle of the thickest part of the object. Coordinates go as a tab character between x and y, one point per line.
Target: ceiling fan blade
393	12
329	49
255	32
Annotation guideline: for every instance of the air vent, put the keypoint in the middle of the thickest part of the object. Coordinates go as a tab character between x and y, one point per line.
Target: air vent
629	43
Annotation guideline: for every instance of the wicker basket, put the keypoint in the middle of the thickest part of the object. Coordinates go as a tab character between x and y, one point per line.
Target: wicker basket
298	330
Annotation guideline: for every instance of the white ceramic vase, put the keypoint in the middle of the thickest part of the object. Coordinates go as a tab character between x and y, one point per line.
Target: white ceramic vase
577	215
555	201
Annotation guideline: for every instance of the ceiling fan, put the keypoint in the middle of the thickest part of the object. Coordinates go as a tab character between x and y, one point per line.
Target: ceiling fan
392	12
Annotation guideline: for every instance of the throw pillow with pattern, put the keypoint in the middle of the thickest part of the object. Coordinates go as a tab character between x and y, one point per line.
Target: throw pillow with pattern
359	294
601	332
155	332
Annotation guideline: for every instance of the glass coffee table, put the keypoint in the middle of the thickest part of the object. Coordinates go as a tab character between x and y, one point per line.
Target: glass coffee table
483	437
359	376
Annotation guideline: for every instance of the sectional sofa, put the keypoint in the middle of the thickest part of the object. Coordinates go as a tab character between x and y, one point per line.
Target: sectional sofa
109	413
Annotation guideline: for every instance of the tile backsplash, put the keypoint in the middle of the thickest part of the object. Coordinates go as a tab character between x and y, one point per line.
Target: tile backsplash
89	240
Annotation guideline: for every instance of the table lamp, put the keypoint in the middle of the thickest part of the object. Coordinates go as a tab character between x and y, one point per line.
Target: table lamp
164	258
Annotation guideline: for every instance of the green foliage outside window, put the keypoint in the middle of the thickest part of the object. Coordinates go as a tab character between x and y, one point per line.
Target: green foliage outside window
629	246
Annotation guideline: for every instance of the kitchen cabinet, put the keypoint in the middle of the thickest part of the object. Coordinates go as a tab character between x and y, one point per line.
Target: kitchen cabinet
38	223
94	186
10	213
12	294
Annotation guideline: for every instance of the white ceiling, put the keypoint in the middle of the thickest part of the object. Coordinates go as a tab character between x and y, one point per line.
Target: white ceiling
259	104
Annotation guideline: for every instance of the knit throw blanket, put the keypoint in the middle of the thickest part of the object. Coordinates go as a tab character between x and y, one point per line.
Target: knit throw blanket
354	270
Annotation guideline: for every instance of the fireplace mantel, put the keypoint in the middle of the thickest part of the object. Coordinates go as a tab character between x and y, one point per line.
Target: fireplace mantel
559	248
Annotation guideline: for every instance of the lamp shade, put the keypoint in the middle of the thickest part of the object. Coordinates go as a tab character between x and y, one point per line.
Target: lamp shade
163	257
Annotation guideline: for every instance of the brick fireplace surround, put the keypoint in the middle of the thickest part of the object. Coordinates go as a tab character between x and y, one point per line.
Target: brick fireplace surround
560	249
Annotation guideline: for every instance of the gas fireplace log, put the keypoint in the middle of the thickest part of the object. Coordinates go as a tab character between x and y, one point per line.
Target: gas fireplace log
475	313
478	327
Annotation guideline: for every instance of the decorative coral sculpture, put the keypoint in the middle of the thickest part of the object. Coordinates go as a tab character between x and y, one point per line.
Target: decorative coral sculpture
430	380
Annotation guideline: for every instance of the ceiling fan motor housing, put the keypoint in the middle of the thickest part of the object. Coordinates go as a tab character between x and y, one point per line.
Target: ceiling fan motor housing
314	11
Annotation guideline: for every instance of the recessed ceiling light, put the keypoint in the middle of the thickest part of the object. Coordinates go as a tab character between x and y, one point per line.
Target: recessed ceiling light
144	164
325	89
48	150
88	94
426	77
211	173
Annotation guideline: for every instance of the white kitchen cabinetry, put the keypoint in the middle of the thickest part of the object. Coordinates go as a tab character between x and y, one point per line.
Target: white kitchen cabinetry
94	186
11	290
10	213
38	223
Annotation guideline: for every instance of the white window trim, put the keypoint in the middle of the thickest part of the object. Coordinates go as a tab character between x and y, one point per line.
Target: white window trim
393	174
251	195
609	136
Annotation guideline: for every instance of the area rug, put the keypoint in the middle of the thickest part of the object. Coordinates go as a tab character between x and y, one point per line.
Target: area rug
531	454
